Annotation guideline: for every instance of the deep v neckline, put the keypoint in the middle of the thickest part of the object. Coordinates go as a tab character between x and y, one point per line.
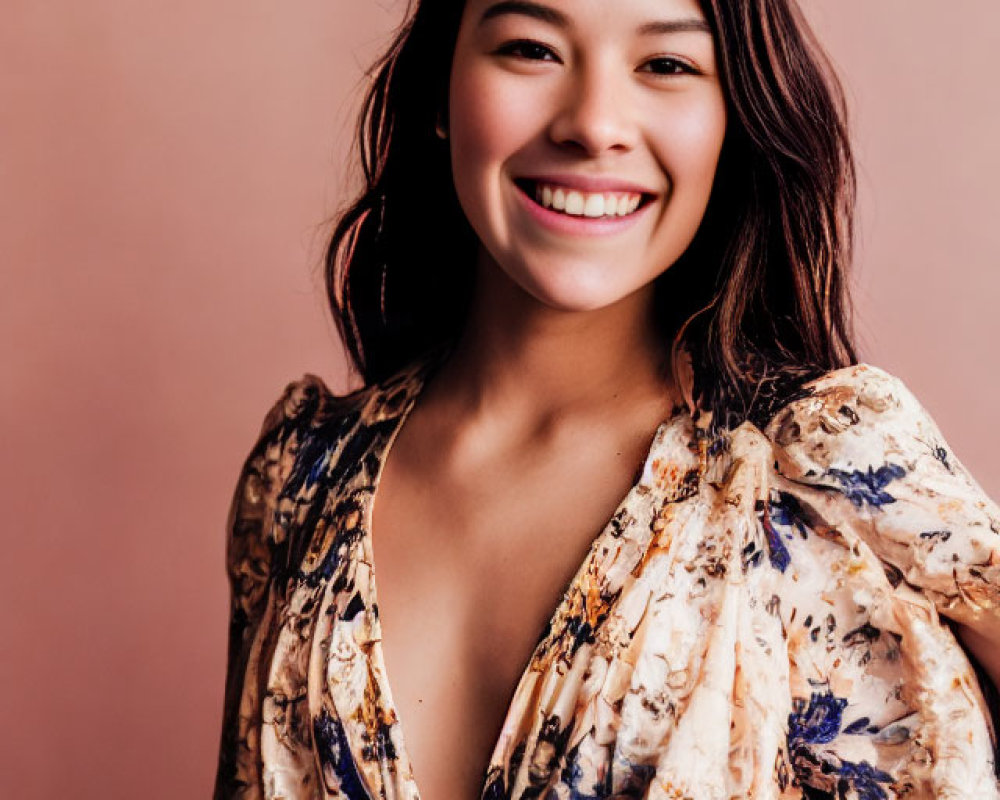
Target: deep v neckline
414	384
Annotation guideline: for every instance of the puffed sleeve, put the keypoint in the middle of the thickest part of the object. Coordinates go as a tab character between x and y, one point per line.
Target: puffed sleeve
255	548
867	465
861	435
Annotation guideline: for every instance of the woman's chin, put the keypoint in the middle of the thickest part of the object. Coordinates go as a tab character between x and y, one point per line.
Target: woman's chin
575	293
558	280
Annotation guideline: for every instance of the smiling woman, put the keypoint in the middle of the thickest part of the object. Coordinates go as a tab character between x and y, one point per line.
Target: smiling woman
650	137
649	529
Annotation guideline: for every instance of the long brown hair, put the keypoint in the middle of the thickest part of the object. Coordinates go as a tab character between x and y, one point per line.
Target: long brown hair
759	301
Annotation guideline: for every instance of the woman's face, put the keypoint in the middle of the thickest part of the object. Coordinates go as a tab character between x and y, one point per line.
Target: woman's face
566	114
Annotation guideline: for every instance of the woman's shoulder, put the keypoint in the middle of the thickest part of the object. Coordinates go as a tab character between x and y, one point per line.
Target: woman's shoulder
309	418
308	401
852	416
859	423
861	435
871	385
300	430
306	414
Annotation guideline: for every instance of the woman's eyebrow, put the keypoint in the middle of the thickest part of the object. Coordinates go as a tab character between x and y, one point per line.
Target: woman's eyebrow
526	8
675	26
552	16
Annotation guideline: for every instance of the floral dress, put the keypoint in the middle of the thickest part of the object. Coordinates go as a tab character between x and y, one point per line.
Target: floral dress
758	619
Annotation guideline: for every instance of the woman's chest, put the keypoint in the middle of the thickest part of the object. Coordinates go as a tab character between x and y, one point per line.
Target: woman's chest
467	583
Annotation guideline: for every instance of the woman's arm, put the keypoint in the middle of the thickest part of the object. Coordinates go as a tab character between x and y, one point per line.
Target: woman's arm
983	641
864	436
254	547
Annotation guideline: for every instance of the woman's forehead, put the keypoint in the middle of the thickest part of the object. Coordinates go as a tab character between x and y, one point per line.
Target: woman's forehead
651	16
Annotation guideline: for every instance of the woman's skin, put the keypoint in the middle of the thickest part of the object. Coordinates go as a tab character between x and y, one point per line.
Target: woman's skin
521	447
983	641
523	444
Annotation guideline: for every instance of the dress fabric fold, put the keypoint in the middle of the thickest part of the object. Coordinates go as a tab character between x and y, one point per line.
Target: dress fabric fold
762	617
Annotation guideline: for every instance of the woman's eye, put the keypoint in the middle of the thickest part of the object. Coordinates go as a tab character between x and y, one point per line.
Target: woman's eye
670	66
525	48
536	51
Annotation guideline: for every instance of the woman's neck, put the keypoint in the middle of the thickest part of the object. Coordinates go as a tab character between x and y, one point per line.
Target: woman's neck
518	356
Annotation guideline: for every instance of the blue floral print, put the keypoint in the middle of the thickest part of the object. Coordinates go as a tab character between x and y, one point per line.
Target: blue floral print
868	486
758	618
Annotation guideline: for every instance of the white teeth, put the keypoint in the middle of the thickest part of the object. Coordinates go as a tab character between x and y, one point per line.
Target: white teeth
628	205
585	204
594	207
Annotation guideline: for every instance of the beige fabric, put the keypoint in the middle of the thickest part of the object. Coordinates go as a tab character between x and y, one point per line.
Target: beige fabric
759	618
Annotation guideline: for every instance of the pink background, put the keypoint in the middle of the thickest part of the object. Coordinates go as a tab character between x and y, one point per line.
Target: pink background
167	171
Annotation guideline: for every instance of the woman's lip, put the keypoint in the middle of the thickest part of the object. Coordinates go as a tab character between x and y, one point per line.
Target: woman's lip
578	225
587	183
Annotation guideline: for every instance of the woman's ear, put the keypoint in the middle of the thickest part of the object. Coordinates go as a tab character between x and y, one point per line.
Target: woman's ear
440	127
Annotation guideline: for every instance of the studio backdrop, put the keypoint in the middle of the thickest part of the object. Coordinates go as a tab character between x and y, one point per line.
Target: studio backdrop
168	173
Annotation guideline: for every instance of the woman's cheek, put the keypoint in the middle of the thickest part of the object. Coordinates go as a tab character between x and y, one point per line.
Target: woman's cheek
497	112
498	118
692	145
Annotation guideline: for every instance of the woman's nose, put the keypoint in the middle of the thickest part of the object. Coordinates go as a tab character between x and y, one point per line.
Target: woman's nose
594	114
